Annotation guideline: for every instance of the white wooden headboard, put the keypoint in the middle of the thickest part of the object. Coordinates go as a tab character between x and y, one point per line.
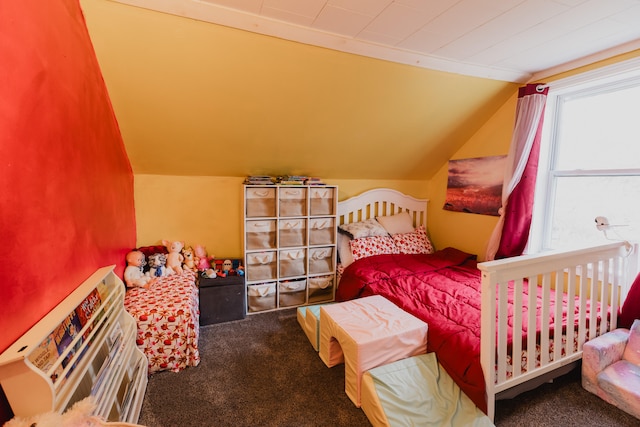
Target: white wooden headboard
382	202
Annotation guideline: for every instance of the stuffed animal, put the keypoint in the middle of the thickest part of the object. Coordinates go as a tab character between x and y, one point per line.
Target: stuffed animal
174	258
133	275
201	258
203	262
79	415
189	262
158	267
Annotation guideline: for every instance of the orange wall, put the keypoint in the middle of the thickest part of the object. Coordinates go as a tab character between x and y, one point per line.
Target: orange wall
66	185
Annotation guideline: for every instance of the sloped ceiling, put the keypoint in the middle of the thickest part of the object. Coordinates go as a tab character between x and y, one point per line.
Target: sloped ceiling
509	40
196	98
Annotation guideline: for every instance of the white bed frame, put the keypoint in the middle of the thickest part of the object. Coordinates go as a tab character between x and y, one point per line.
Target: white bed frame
607	270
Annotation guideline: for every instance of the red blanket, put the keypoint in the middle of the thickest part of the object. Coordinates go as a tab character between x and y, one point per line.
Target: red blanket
443	289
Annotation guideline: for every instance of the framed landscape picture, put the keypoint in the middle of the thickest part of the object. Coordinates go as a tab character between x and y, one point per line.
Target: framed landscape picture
475	185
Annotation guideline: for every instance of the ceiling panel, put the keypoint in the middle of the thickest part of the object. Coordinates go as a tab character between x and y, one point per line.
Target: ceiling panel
509	40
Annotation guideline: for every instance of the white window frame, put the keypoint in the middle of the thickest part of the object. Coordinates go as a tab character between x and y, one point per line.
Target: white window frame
599	80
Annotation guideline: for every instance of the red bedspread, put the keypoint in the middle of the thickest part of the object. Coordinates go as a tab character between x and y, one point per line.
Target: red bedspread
443	289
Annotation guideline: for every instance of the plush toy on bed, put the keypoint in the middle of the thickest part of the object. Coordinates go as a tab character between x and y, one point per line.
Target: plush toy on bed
79	415
174	258
158	267
133	275
189	262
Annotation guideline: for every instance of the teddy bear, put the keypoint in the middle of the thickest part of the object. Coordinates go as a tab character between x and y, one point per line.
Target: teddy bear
174	258
133	275
158	267
79	415
189	262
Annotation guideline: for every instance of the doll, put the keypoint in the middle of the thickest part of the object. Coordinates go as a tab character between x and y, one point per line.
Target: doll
133	275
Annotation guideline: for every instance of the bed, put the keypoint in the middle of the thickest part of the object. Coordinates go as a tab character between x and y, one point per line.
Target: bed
478	313
167	316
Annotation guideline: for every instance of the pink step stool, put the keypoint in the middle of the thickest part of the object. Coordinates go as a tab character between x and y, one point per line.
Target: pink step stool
366	333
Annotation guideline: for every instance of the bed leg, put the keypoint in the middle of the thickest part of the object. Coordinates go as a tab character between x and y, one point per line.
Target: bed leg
491	407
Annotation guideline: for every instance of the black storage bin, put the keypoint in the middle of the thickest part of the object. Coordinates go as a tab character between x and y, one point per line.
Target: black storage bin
222	299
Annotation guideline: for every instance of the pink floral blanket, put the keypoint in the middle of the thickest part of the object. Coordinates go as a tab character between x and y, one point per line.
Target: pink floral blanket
168	316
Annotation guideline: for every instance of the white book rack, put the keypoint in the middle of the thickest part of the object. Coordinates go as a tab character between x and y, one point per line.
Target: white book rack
84	346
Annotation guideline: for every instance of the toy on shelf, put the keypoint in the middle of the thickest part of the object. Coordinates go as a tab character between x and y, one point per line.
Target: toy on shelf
218	266
228	267
203	261
174	258
133	274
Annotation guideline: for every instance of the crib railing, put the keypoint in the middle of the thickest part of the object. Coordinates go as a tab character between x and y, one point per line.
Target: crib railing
592	282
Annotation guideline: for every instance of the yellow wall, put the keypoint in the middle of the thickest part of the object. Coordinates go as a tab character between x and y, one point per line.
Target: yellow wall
470	232
208	210
199	99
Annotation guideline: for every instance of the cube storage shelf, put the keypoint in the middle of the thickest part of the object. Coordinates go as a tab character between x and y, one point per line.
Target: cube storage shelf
84	347
290	234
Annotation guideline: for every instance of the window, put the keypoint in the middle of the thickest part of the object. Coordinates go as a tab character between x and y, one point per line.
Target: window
590	160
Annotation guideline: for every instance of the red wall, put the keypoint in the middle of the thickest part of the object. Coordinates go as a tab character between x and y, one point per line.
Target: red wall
66	185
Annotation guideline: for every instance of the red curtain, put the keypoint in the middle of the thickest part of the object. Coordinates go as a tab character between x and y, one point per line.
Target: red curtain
512	232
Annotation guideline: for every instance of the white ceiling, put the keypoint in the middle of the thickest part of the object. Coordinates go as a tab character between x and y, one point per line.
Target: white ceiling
510	40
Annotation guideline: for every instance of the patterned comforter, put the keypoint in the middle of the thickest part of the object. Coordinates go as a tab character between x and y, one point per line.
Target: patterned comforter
167	315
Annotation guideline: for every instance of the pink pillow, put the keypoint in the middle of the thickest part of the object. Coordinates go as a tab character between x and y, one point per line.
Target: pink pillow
368	246
632	350
413	243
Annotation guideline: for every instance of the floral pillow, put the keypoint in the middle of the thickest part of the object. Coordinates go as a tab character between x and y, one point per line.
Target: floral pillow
413	243
369	246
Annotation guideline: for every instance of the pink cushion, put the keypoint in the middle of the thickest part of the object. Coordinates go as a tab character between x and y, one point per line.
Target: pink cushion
621	384
365	333
632	350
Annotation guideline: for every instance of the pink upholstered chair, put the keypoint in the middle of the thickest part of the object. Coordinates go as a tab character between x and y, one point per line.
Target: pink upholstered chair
611	368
